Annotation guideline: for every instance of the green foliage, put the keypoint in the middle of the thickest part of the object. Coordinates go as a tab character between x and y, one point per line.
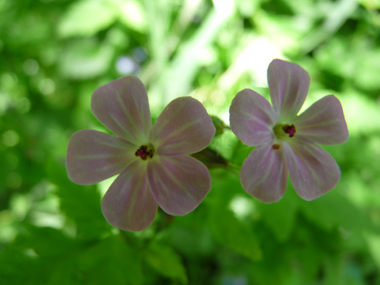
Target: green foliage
85	58
80	205
232	233
166	261
280	217
112	259
86	18
47	256
54	54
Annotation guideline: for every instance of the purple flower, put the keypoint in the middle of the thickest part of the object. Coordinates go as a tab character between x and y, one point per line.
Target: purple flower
152	160
287	142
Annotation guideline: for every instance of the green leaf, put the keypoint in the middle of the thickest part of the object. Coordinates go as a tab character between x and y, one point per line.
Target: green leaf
44	241
225	186
111	259
59	259
333	268
373	242
85	58
232	233
241	152
166	262
17	268
280	216
50	257
132	14
332	210
80	203
86	18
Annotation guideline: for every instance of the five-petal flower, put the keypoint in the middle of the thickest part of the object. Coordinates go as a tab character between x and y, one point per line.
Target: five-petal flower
287	143
152	160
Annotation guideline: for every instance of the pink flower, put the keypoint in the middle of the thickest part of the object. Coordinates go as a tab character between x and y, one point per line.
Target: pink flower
152	160
287	142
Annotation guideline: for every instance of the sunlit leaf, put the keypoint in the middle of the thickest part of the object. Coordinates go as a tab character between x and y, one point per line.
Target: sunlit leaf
84	59
374	245
80	204
132	15
86	18
43	241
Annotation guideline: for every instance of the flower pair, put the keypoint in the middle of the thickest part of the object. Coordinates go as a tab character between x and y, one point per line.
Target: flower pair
153	161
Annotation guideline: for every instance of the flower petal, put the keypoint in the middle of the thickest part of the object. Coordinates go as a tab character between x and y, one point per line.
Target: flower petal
122	106
128	204
184	127
323	122
252	118
312	170
264	174
93	156
288	86
178	183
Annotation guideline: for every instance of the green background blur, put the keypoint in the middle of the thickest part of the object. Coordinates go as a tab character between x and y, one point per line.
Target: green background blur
55	53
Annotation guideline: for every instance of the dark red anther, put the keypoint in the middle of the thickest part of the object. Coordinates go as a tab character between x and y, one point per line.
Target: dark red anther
144	153
289	129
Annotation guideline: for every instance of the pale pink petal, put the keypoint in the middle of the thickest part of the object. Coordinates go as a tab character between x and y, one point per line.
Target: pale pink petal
288	86
323	122
179	183
93	156
312	170
128	204
122	106
184	127
252	118
264	174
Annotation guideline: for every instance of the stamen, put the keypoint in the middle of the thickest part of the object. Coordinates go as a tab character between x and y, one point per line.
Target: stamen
143	152
276	146
289	129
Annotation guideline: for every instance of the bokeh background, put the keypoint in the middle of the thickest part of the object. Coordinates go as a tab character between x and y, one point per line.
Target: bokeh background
55	53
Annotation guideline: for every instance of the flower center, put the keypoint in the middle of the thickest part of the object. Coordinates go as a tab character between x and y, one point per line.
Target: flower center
145	151
289	129
282	131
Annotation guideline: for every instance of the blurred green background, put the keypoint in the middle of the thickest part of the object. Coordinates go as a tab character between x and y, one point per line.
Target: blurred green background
55	53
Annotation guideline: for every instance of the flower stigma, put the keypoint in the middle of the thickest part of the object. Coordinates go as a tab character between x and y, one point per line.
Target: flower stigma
281	131
290	129
145	151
